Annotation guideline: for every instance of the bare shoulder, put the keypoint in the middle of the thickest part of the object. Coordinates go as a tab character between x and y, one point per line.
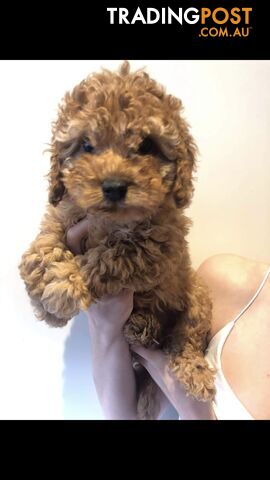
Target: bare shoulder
227	272
232	280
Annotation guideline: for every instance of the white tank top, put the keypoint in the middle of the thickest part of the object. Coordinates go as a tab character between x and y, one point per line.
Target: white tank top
226	405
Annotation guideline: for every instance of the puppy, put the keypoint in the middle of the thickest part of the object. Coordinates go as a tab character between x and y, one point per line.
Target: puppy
122	154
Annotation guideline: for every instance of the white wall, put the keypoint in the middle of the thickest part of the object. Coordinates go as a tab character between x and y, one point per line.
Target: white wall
46	373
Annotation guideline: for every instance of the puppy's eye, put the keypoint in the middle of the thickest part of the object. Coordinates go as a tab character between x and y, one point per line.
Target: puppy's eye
147	147
87	147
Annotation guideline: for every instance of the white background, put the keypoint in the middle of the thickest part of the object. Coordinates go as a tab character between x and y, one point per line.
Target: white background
46	373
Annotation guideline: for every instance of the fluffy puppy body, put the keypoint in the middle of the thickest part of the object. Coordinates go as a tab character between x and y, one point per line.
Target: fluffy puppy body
122	154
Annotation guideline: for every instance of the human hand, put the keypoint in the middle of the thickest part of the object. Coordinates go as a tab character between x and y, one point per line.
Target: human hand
111	312
76	236
158	366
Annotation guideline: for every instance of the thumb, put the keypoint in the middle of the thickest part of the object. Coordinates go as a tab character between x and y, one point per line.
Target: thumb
148	356
143	352
76	234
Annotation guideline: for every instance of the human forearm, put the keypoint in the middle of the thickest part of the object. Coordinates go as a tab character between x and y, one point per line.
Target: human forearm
157	365
112	365
188	407
191	409
113	375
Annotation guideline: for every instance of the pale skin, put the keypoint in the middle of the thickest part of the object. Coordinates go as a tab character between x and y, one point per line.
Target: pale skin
245	359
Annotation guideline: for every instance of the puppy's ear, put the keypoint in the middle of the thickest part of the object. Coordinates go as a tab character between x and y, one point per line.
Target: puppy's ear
186	165
56	185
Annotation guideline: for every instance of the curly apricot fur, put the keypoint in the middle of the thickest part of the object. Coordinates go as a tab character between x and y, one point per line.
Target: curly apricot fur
140	243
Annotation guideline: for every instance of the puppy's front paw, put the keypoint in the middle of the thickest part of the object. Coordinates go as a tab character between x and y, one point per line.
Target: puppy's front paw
197	377
65	293
144	329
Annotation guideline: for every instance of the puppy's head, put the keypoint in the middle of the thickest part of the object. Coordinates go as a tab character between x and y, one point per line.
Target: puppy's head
120	146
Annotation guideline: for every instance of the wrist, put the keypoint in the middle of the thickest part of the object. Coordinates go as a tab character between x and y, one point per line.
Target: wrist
103	331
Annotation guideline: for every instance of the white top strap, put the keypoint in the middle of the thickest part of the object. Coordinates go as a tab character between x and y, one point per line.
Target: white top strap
226	404
254	296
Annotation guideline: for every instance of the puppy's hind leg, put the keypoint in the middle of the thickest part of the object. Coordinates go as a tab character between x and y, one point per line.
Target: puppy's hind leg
188	343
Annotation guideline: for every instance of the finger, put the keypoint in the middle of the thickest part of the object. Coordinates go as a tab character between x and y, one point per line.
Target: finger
124	294
138	361
153	357
76	234
141	351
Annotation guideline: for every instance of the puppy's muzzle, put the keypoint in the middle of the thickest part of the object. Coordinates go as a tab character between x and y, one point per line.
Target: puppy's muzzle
114	189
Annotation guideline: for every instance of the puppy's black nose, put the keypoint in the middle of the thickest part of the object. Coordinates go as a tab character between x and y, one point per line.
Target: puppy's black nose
114	189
